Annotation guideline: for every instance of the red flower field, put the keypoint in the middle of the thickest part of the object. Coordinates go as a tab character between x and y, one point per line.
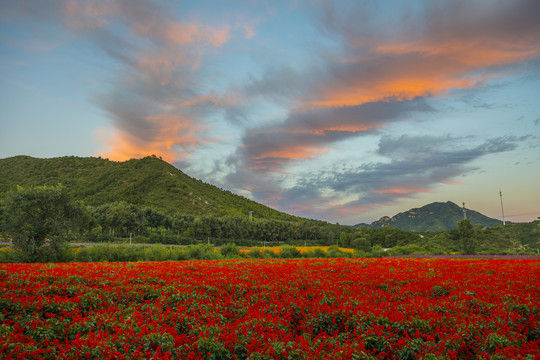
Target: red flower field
272	309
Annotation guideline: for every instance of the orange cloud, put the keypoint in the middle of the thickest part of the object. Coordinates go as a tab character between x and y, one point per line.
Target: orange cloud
385	74
157	57
292	151
271	148
478	53
168	134
422	66
399	88
397	77
359	89
310	132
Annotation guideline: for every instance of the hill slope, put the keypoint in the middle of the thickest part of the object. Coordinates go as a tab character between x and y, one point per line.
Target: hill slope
437	216
146	182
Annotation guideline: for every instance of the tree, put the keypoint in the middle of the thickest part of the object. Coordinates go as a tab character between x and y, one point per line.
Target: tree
467	236
36	214
331	237
361	244
344	239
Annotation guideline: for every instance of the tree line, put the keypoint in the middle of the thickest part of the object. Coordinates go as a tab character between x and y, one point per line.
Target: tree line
33	217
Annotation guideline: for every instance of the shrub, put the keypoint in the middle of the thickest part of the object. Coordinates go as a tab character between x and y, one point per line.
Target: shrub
201	252
317	253
361	244
230	251
334	252
255	254
290	252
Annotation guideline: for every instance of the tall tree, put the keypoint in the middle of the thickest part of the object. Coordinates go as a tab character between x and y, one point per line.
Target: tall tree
36	214
467	236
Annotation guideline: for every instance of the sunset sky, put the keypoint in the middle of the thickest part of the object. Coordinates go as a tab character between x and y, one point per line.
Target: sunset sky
343	111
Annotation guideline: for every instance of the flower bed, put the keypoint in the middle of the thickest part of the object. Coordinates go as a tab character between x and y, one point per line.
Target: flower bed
272	309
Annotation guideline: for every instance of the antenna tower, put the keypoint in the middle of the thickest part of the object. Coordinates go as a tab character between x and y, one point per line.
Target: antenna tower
464	212
502	208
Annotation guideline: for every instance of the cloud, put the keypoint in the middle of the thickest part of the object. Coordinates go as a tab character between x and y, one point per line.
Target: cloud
310	132
443	46
383	75
378	66
248	26
151	97
165	134
416	165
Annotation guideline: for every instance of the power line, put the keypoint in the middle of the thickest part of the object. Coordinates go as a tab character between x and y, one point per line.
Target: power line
522	214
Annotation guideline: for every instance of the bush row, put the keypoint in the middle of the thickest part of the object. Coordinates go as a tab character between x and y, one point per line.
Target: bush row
115	253
138	252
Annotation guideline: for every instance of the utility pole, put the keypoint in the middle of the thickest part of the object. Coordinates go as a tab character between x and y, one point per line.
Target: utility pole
464	212
502	208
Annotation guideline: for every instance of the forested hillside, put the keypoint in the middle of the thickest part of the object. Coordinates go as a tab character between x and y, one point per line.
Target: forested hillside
147	182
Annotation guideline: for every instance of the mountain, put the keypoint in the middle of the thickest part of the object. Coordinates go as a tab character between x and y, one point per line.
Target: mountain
437	216
149	182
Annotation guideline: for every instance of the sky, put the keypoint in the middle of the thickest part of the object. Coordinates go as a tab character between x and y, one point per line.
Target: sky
343	111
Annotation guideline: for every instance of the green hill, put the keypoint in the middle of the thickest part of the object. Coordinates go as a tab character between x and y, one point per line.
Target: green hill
147	182
518	236
437	216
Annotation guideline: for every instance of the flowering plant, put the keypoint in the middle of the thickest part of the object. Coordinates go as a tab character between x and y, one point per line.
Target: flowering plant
386	308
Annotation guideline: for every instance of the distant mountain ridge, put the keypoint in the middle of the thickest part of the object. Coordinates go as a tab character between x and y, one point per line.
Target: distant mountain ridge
437	216
147	182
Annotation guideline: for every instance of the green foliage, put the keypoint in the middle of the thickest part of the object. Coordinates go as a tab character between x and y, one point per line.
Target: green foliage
518	237
377	251
408	250
37	215
290	252
202	252
128	253
316	253
230	251
148	182
344	240
334	252
361	243
467	236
